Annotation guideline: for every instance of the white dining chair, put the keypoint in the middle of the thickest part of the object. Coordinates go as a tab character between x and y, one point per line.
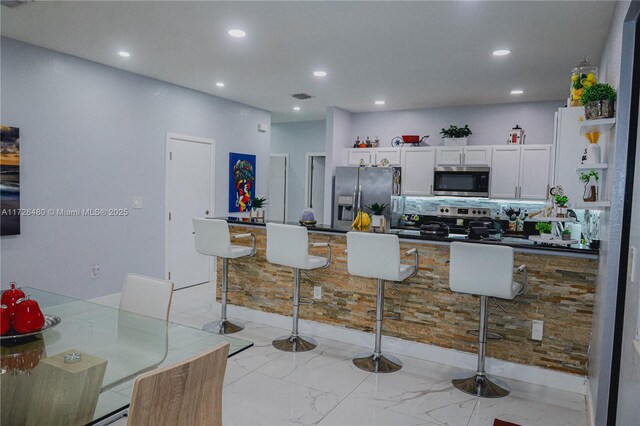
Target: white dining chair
146	296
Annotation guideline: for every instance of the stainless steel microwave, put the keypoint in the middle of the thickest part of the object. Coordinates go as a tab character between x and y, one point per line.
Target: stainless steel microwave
461	181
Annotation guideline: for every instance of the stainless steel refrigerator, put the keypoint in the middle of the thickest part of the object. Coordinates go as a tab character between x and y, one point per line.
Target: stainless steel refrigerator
355	188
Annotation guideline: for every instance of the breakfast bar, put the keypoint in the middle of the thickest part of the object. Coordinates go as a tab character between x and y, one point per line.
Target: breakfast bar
561	292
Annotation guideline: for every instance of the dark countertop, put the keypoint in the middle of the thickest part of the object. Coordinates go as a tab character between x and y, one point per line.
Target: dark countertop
405	234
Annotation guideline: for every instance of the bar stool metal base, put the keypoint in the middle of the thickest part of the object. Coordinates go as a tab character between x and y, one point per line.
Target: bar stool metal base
378	363
482	386
223	327
294	343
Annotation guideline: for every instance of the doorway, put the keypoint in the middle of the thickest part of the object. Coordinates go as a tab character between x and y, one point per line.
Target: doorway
189	189
314	186
278	187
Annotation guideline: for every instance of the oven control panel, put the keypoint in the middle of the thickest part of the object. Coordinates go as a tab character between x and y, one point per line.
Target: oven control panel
463	212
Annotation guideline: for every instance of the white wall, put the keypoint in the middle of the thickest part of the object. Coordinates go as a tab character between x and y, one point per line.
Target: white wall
606	289
337	139
94	136
297	139
490	124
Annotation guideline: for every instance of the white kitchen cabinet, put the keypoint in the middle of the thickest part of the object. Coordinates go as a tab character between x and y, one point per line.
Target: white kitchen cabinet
505	172
520	171
449	156
391	154
535	163
372	156
469	155
361	154
477	155
417	170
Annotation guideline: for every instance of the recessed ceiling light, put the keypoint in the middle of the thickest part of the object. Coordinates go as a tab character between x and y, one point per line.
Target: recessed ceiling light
379	102
237	33
517	92
220	84
124	54
501	52
320	73
296	108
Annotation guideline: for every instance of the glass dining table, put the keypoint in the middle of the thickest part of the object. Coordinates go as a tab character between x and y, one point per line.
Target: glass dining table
38	382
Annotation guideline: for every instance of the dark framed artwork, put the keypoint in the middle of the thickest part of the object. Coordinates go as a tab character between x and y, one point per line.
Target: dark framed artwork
9	180
242	181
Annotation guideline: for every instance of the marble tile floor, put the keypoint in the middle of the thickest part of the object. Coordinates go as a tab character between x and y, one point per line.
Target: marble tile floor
264	386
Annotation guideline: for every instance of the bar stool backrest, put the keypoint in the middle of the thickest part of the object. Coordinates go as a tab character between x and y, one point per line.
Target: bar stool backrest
373	255
482	269
212	237
288	245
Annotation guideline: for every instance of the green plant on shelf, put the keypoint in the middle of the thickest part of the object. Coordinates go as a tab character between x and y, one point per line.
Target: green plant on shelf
456	132
377	209
584	177
258	202
561	200
543	227
566	232
598	92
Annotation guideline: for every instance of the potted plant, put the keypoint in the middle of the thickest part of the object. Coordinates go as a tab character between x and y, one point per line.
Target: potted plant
257	207
544	228
566	234
598	101
561	205
456	136
590	180
378	220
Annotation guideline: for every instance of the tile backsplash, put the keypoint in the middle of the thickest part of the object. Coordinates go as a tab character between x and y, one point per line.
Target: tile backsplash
589	219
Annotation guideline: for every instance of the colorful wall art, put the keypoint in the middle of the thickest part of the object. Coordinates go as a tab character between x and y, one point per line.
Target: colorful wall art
9	180
242	181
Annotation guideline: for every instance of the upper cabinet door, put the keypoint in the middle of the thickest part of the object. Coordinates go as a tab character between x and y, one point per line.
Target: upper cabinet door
417	171
391	154
477	155
449	156
357	154
505	168
535	163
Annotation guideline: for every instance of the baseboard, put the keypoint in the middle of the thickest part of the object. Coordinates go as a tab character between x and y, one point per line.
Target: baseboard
591	409
112	300
510	370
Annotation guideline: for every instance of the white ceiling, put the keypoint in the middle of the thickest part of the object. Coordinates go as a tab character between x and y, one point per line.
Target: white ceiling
411	54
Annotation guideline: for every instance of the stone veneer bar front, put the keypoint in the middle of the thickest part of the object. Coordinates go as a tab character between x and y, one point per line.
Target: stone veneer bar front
560	292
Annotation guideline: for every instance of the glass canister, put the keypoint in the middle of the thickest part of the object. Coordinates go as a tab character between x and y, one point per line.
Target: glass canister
583	76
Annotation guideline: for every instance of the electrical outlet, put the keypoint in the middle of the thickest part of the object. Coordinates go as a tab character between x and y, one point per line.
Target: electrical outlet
317	292
137	202
537	328
95	271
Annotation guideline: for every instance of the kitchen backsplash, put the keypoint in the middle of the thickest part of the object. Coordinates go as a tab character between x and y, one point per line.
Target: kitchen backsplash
428	206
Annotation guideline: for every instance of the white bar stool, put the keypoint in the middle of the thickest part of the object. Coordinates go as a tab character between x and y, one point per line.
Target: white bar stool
288	245
487	271
212	239
378	256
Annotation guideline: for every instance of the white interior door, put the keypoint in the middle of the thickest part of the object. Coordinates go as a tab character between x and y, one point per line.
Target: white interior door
190	174
315	180
277	202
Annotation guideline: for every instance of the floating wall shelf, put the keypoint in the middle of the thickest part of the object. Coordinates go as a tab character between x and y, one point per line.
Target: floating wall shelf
593	205
599	166
603	125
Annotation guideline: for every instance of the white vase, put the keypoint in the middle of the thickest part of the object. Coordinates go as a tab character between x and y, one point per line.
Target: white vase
378	222
593	154
456	141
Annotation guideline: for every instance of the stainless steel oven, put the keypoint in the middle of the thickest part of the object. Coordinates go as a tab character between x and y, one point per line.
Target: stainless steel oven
461	181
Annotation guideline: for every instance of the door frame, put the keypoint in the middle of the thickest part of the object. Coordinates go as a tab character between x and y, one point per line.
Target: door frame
308	156
167	196
286	182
